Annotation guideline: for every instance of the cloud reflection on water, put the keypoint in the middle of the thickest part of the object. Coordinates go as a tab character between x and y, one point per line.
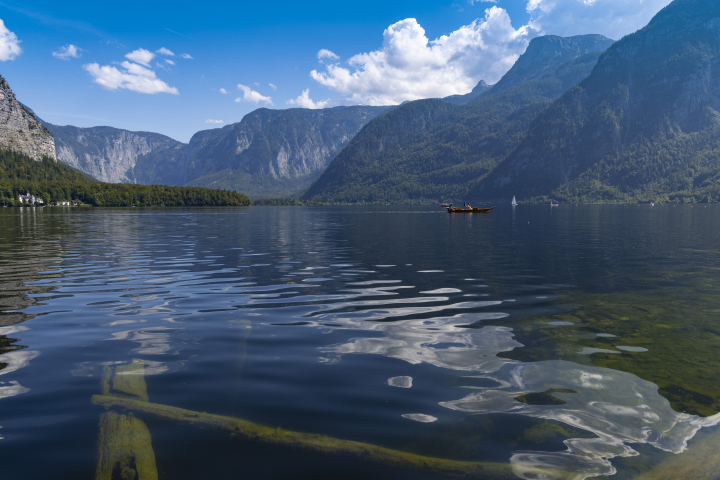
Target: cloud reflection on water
619	408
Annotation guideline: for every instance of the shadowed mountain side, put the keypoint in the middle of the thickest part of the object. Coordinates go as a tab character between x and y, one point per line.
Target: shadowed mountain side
644	125
480	89
430	150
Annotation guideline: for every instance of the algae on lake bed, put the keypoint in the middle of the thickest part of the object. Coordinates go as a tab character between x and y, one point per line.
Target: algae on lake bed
678	325
124	444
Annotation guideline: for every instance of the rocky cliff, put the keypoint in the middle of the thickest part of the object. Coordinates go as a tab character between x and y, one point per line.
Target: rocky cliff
111	154
19	130
273	152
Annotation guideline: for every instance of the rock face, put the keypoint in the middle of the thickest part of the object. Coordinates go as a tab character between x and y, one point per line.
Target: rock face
272	152
646	121
546	53
268	153
19	130
110	154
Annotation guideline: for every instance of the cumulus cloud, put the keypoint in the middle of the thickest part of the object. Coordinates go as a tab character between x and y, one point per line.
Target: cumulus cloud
186	56
612	18
169	62
251	96
141	56
223	91
67	52
325	54
165	51
130	76
272	86
210	120
410	67
305	101
9	44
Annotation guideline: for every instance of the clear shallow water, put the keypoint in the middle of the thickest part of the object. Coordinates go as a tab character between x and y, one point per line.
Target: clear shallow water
569	342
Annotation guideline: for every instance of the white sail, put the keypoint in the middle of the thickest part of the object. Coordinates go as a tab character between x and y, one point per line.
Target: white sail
514	202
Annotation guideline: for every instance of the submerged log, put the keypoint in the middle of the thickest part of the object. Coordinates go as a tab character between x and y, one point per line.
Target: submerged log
701	462
315	442
124	445
124	449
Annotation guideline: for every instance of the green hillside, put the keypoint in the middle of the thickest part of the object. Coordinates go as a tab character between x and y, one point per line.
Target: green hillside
645	125
431	150
54	182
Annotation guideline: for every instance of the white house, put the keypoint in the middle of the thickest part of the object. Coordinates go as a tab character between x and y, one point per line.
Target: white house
29	198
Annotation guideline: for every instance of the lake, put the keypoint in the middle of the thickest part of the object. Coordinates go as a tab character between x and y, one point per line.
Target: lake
360	342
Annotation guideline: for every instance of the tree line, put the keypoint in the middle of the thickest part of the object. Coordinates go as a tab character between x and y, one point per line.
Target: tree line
55	182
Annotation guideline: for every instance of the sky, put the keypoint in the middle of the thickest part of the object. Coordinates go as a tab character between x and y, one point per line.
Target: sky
180	67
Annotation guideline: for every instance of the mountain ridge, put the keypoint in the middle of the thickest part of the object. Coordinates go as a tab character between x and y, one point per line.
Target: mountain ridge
269	152
431	150
619	132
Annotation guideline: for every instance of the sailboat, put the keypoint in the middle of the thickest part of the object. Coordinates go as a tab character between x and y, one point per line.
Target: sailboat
514	202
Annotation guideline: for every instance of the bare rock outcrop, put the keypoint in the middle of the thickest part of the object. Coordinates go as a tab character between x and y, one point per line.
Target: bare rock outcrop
19	130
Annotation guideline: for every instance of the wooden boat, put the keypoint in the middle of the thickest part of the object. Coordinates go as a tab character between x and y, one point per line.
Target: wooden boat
468	210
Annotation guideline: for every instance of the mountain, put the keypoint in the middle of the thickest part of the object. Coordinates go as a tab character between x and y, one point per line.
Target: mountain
273	152
644	125
19	130
431	150
111	154
476	92
269	152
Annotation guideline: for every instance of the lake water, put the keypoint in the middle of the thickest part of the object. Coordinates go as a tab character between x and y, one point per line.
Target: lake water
360	342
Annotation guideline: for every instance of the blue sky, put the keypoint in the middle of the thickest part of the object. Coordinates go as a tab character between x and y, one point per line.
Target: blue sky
178	67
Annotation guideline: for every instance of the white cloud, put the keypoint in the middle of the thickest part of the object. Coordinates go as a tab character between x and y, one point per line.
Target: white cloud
132	77
169	62
250	95
612	18
272	86
9	44
67	52
186	56
210	120
410	67
141	56
326	54
223	91
305	101
165	51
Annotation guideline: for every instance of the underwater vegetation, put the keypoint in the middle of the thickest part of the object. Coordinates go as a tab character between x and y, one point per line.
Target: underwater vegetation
669	335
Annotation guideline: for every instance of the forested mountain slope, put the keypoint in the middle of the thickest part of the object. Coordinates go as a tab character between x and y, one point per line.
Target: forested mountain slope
431	150
644	125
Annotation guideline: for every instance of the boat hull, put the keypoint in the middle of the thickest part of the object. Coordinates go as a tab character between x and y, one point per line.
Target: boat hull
468	210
